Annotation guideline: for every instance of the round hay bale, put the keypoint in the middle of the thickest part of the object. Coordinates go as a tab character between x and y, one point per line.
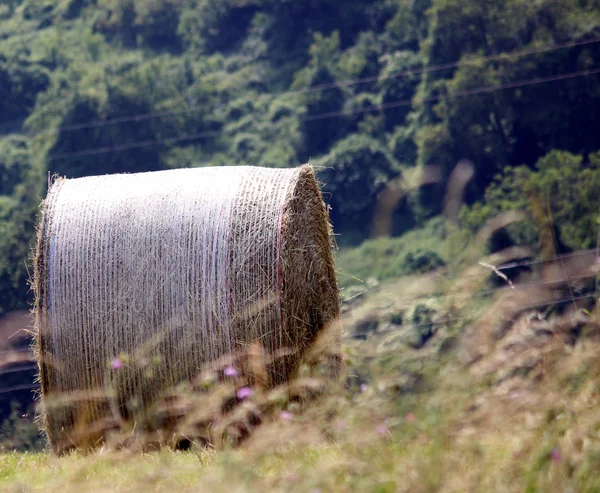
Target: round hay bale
174	269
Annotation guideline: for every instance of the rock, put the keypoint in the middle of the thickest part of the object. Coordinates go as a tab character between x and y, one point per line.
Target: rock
365	326
417	336
396	318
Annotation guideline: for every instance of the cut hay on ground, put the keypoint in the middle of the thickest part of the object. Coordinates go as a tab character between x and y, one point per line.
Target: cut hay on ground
143	279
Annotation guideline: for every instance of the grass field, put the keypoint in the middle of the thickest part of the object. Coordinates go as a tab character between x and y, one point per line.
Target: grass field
463	435
444	390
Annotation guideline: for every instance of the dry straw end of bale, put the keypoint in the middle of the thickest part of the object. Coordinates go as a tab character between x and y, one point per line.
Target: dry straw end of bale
144	279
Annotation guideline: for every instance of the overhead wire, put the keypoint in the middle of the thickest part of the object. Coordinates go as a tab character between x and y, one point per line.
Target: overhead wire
15	388
343	83
528	263
459	94
333	114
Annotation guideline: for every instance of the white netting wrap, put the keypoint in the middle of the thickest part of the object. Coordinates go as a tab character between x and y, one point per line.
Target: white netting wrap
182	265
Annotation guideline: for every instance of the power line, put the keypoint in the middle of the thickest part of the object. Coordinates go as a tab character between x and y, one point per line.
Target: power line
514	265
16	388
459	94
458	64
343	83
18	369
333	114
137	145
534	284
16	350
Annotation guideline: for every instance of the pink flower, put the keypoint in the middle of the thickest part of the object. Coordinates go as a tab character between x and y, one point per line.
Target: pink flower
230	371
116	364
243	393
410	417
363	387
382	430
285	415
555	455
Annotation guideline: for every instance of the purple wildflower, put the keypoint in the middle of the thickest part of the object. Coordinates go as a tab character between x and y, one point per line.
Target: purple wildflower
363	387
285	415
555	455
230	371
116	364
244	393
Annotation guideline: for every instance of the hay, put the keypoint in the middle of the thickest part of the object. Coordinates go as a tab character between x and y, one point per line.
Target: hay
164	272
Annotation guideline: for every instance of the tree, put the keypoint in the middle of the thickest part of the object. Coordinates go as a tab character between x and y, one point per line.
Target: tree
14	162
560	191
354	173
320	133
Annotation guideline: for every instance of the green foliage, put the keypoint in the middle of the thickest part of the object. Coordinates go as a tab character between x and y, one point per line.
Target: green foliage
18	207
402	145
571	191
394	88
421	261
151	23
354	172
19	84
18	232
15	160
320	134
103	86
567	187
512	126
415	252
212	25
19	432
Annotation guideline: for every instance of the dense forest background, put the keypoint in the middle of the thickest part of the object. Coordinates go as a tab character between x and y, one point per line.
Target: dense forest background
365	89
